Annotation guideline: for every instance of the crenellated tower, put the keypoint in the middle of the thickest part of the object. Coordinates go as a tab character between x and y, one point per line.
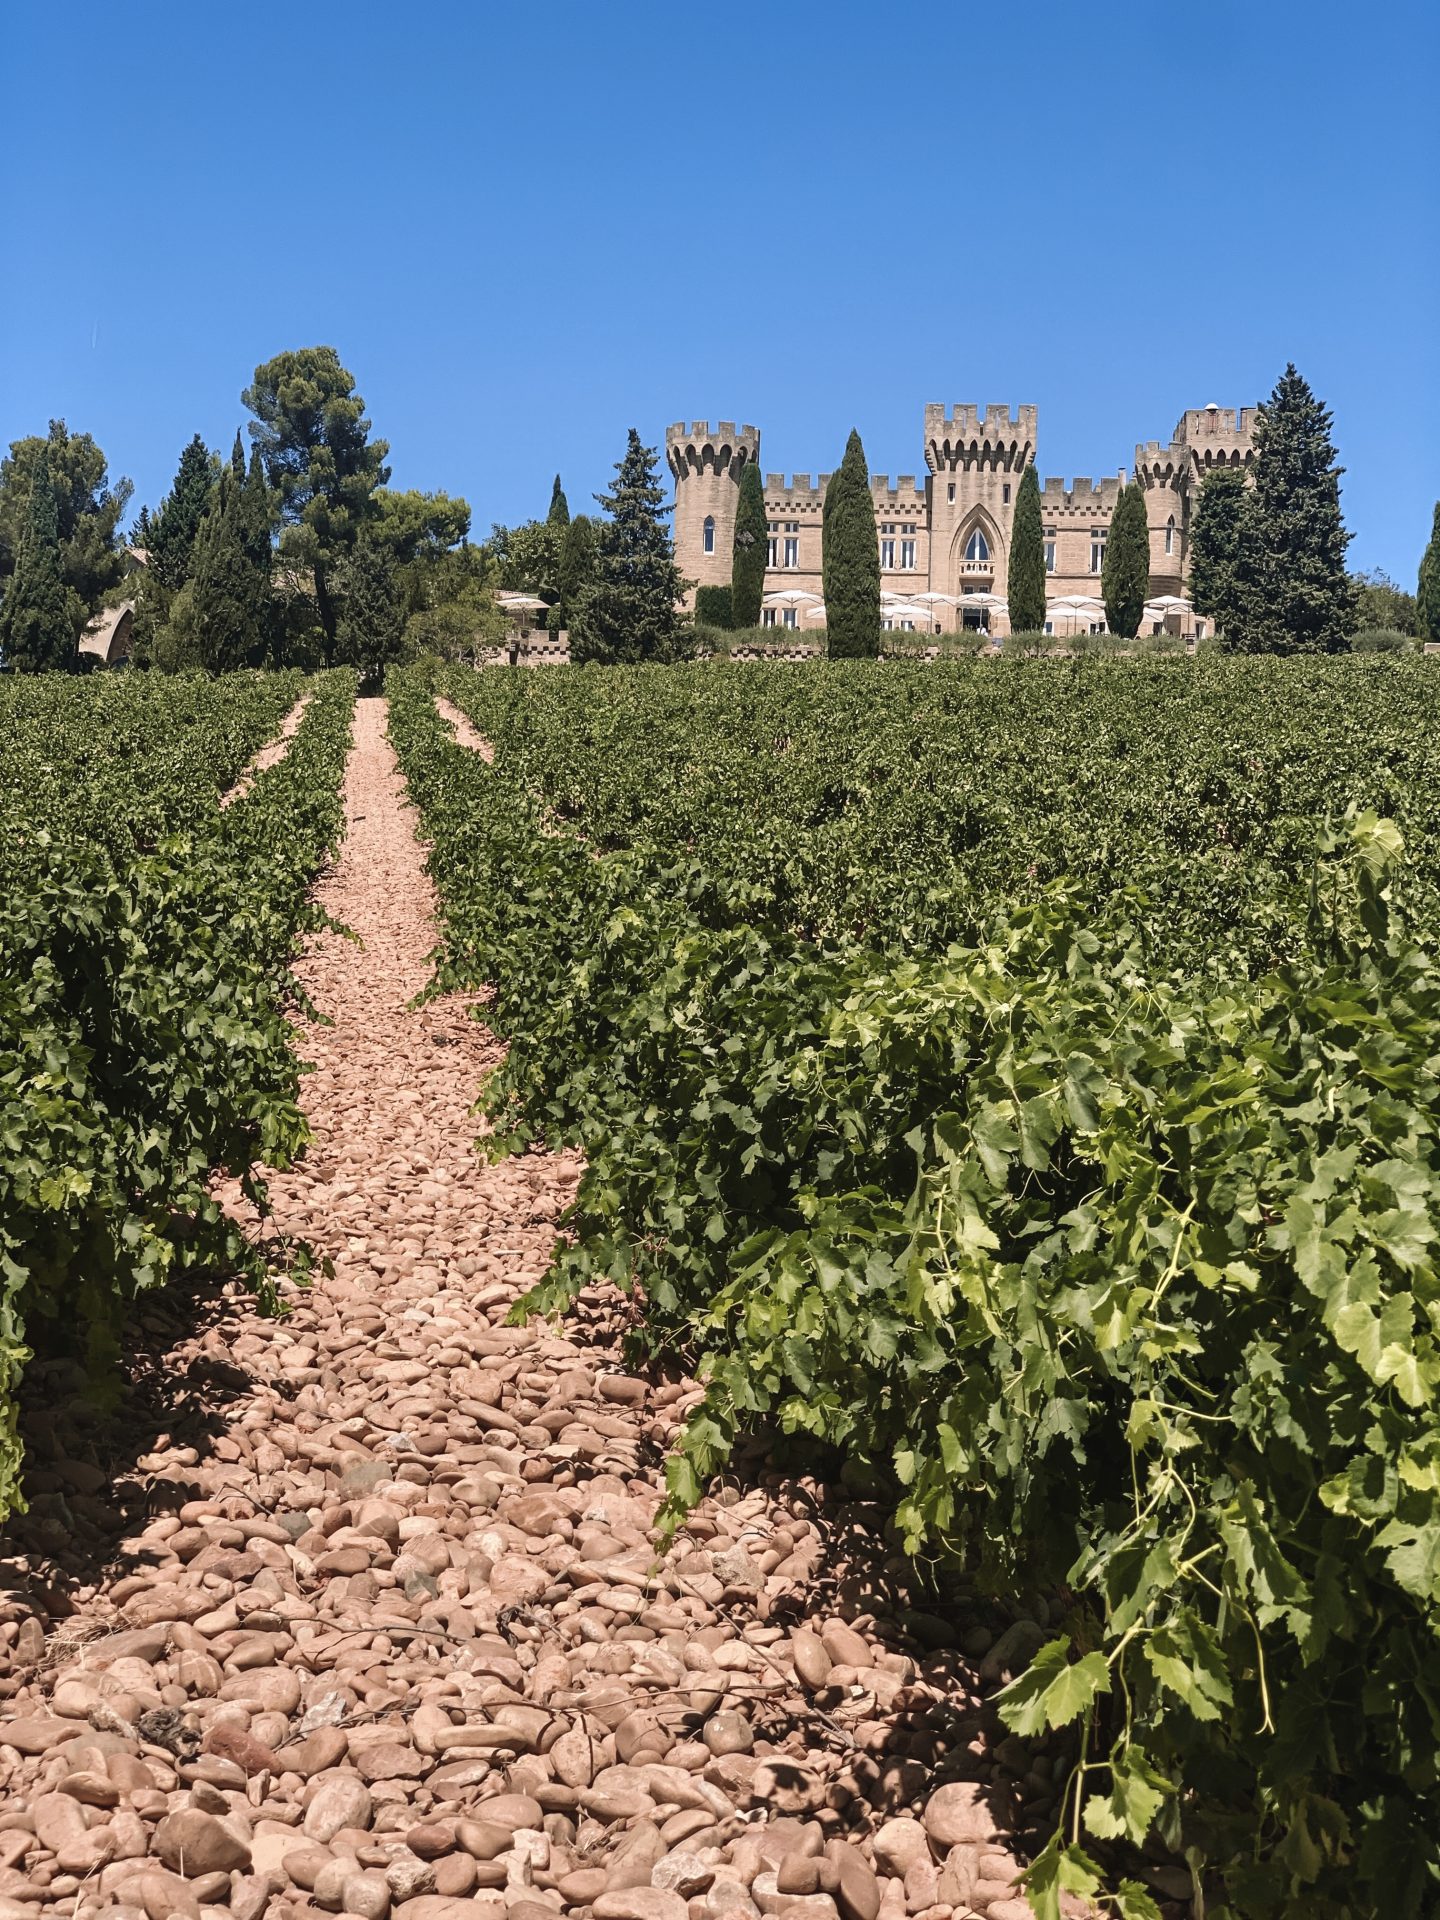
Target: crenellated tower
707	466
976	456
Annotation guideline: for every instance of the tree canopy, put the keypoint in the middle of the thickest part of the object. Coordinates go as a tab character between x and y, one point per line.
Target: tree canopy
171	530
88	512
314	440
559	514
1300	598
1219	567
752	549
629	611
230	581
1427	598
36	632
372	619
1125	577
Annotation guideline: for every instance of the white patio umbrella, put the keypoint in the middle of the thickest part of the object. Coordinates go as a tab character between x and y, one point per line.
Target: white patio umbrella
814	613
788	597
934	599
520	602
1168	603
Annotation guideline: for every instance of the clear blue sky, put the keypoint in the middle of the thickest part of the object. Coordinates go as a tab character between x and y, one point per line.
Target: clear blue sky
526	228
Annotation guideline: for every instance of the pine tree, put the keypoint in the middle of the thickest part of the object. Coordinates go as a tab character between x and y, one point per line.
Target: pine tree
229	587
1427	597
177	519
630	611
1025	584
1125	577
559	514
1220	566
1301	599
237	458
752	549
37	634
371	631
850	559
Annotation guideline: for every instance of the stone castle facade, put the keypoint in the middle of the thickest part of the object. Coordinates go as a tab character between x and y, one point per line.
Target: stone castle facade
947	535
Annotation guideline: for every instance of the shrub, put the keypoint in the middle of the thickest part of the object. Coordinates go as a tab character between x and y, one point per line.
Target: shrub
1382	640
712	607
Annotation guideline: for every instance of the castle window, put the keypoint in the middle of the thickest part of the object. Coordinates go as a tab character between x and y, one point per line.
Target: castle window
977	547
1170	534
908	527
771	551
1098	537
1005	493
907	554
792	526
709	533
789	618
887	554
792	553
950	493
767	616
1050	550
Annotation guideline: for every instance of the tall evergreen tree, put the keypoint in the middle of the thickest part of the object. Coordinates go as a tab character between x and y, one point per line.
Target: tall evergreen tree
314	440
237	458
88	513
630	611
850	559
1125	577
1427	597
371	633
1301	599
559	514
577	570
1025	583
752	549
177	519
1220	566
37	633
229	584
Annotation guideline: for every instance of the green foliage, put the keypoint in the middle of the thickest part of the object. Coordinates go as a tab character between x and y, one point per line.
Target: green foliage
1125	581
314	440
1427	596
576	569
1007	1078
229	585
713	608
36	634
1301	600
169	538
559	514
1382	640
145	942
629	612
420	527
1025	585
752	547
850	559
88	512
529	558
371	635
1379	602
1219	555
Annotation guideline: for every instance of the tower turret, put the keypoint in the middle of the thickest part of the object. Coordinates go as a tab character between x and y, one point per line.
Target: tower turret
707	466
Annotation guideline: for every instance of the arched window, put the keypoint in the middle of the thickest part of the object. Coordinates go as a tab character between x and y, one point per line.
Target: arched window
1170	534
977	547
709	533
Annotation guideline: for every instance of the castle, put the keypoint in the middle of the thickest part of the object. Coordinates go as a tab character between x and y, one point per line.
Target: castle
945	541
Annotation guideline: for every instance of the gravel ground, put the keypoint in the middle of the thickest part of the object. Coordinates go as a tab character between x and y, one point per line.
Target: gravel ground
371	1623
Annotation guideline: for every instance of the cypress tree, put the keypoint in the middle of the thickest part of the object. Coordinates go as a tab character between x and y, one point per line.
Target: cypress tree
630	611
1125	577
1301	598
1427	597
752	547
371	631
577	568
1219	556
229	588
559	514
37	634
1025	584
237	458
850	559
177	519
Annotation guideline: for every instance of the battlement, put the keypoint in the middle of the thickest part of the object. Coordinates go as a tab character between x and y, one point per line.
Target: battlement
798	490
1083	495
903	495
1216	423
990	436
697	449
1157	465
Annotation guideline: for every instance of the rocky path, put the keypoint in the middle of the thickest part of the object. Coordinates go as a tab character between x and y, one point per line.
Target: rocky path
394	1639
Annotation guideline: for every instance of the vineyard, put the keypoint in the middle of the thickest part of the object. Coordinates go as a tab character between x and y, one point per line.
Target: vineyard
1021	1084
145	940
